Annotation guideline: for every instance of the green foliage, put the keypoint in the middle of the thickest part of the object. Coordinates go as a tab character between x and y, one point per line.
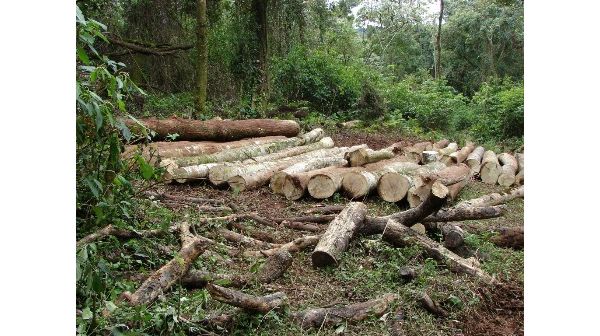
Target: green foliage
318	78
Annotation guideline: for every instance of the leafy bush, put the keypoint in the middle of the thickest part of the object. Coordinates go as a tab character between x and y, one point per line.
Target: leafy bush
318	78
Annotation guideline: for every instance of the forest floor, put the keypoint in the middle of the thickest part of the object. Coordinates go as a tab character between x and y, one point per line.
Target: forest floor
368	269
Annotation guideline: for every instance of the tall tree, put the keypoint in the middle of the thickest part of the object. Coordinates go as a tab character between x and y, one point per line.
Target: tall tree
438	44
202	68
260	11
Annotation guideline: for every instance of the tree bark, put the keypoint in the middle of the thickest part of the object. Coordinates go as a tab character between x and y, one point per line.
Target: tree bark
438	44
493	199
325	142
462	154
510	237
400	235
440	144
363	156
452	147
247	152
317	317
219	130
474	159
520	178
359	184
250	303
278	179
393	186
274	267
260	12
414	151
490	168
202	66
509	169
335	240
453	235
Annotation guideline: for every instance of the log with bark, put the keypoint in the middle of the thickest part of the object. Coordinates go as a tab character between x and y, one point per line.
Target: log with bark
278	179
325	142
451	148
440	144
159	150
512	237
493	199
394	186
318	317
361	183
430	305
429	156
453	235
220	130
323	184
247	152
474	159
295	245
399	235
336	238
245	241
456	176
520	178
509	169
490	168
415	151
250	303
274	267
462	154
363	156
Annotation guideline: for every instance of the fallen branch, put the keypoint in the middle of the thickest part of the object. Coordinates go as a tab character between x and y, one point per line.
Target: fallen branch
493	199
431	306
251	303
110	230
295	245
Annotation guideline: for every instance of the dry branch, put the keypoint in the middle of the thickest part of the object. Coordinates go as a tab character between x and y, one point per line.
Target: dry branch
295	245
251	303
493	199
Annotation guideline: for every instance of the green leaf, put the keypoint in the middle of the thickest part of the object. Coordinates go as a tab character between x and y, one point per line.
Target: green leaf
80	17
86	313
146	169
83	56
99	119
94	186
124	130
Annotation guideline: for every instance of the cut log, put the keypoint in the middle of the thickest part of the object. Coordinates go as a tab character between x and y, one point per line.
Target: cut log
326	142
456	188
247	152
493	199
453	235
440	144
455	177
295	245
250	303
363	156
430	305
169	274
415	151
245	240
474	159
490	168
325	183
462	154
510	237
278	179
394	186
335	240
452	147
509	169
359	184
400	235
274	267
317	317
429	156
220	130
155	151
520	178
459	213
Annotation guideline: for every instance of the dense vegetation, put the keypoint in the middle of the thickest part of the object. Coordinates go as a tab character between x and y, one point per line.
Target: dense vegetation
340	60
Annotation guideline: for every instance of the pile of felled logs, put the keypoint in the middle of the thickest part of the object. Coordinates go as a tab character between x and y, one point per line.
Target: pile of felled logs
273	152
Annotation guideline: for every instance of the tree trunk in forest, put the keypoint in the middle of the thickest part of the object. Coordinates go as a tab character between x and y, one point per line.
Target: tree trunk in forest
324	184
474	159
399	235
490	168
202	66
359	184
260	12
278	179
247	152
493	199
335	240
219	130
509	169
250	303
520	178
317	317
438	44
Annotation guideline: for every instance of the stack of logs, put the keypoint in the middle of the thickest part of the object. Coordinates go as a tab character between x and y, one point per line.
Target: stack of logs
265	151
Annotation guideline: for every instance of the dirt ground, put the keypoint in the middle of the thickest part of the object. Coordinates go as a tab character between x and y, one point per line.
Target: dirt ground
369	267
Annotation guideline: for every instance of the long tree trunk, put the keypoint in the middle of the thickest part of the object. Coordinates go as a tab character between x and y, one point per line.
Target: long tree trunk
219	130
221	174
247	152
335	240
358	184
260	12
155	151
509	169
438	44
490	168
474	159
317	317
202	65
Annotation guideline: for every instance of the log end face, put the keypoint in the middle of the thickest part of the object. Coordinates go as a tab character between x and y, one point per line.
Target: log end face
321	187
355	185
237	183
323	259
392	187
